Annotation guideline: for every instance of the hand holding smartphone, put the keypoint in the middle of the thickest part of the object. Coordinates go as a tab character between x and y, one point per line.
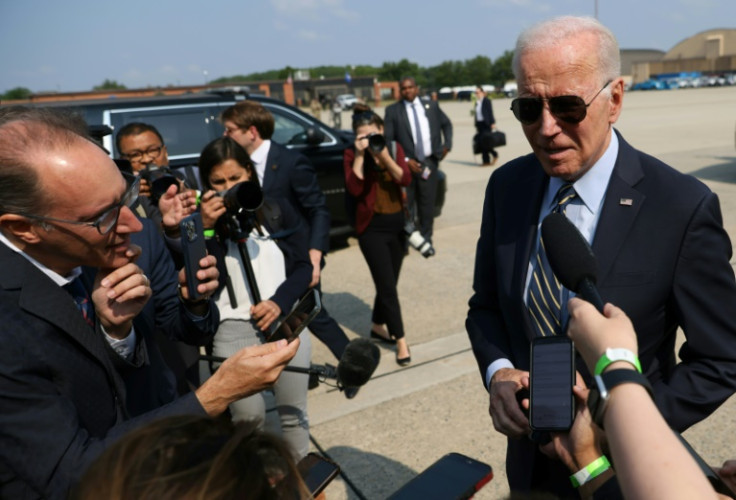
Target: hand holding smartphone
551	377
297	320
194	249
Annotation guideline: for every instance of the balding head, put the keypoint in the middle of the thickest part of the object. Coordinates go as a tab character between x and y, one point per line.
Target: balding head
25	133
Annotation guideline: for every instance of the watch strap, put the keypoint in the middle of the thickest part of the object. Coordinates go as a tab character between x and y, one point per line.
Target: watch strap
618	354
607	381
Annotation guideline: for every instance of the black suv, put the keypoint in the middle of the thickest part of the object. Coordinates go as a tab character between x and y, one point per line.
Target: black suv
188	122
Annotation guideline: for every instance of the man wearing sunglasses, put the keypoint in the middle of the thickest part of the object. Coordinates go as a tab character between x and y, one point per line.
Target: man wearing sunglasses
662	252
77	370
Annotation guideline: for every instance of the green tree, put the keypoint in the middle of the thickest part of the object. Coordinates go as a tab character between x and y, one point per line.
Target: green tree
501	69
394	71
109	85
16	93
478	70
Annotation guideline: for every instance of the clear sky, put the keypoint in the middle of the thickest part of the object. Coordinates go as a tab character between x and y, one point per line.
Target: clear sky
73	45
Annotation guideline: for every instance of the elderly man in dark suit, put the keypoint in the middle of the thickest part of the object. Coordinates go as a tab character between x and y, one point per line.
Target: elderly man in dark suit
663	255
425	133
77	361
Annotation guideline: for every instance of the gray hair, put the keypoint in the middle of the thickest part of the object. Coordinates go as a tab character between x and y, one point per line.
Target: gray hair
552	31
25	131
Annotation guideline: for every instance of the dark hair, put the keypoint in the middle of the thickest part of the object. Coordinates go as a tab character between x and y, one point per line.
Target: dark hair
246	114
25	131
136	128
363	115
218	151
192	456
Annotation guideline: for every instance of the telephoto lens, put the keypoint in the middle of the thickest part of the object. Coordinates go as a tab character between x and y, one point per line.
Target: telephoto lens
376	142
419	242
246	195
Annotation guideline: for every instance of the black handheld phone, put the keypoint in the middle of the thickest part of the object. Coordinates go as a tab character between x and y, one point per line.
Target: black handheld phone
194	249
317	472
551	377
297	320
452	477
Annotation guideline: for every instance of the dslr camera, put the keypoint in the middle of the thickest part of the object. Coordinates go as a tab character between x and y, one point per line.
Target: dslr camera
419	242
246	195
376	142
159	178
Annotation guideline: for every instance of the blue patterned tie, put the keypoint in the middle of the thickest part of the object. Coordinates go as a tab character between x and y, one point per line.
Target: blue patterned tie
543	299
419	147
81	298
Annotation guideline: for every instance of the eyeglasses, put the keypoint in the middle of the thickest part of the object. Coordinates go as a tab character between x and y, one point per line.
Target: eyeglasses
568	108
136	156
109	219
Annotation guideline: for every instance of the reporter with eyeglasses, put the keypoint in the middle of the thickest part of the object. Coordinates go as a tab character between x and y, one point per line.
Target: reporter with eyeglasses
663	255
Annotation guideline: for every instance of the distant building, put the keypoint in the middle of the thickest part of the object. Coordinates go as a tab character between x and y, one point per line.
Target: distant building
709	52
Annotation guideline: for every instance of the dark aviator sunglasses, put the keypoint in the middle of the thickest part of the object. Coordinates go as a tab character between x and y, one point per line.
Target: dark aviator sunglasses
568	108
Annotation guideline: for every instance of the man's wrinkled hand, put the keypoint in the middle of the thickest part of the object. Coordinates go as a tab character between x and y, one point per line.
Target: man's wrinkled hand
504	409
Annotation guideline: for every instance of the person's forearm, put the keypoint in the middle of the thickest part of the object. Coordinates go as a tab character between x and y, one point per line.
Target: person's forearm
650	461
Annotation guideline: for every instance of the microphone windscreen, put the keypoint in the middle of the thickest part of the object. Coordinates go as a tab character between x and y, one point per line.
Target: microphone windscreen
569	254
358	363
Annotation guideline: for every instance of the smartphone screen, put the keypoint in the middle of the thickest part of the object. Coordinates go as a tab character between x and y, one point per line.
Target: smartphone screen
317	472
453	476
551	377
194	249
297	320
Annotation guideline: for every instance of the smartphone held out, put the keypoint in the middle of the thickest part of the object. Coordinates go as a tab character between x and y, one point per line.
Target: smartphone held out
194	249
297	320
551	378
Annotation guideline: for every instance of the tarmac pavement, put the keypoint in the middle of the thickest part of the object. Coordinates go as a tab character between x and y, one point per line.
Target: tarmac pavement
405	419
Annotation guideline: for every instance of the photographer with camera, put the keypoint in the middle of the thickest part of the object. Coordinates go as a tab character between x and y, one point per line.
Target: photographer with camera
275	243
375	179
143	146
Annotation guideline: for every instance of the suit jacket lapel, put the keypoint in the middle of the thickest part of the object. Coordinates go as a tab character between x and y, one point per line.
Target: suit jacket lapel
271	166
620	208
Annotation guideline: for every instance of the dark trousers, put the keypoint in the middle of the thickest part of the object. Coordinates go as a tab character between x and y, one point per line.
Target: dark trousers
383	244
481	127
421	195
326	329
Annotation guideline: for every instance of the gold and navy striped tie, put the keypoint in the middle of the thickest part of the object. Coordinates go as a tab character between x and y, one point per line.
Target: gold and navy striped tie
543	298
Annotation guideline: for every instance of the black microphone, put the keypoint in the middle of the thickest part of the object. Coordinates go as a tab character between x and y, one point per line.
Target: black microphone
571	258
357	363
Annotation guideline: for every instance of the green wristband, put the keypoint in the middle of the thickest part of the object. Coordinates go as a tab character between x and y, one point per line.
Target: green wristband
618	354
209	233
590	471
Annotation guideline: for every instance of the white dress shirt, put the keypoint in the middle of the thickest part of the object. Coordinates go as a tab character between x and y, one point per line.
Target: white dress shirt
423	124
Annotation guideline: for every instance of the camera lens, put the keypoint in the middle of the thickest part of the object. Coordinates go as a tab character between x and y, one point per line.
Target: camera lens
376	142
246	195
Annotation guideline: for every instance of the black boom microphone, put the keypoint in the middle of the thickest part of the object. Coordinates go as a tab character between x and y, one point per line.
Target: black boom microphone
571	258
357	363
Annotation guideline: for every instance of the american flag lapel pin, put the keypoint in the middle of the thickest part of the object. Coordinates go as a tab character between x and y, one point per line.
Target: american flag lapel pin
274	166
626	202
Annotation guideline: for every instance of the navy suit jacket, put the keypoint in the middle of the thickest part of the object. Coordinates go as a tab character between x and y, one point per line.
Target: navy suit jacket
63	390
397	128
486	109
663	257
289	175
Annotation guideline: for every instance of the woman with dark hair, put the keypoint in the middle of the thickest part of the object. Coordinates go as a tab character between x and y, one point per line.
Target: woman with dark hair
276	246
192	456
375	179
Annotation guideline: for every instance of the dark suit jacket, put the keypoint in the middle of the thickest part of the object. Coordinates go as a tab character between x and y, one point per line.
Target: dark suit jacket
663	258
289	175
62	394
486	109
397	128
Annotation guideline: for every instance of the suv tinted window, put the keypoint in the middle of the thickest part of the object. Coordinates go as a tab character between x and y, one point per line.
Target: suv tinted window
181	126
290	129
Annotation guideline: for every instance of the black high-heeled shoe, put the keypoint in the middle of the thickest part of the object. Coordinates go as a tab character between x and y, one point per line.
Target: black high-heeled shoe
403	361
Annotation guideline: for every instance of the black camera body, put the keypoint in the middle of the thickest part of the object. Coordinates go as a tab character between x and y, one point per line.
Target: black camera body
159	178
246	195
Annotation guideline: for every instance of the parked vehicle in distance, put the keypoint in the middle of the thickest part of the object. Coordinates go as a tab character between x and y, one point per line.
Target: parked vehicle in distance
189	122
347	101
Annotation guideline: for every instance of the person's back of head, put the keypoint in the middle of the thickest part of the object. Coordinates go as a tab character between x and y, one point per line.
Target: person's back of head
194	457
246	114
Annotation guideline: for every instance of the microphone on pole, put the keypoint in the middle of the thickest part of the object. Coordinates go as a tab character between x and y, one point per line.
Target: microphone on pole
357	363
571	258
